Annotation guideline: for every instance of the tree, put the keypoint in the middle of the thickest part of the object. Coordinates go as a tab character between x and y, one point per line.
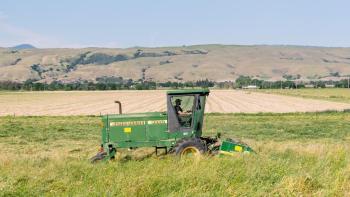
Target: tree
243	81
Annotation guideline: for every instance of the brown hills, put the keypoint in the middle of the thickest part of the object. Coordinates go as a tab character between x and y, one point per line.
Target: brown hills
186	63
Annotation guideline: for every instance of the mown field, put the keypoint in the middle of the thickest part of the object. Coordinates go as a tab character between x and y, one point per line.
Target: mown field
51	103
330	94
297	154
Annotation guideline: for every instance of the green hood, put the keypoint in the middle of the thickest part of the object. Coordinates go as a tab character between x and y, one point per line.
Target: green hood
136	116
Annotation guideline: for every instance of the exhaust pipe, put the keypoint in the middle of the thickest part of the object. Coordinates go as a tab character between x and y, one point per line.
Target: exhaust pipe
120	106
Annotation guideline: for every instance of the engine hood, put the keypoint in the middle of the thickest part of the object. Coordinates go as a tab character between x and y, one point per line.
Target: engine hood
136	116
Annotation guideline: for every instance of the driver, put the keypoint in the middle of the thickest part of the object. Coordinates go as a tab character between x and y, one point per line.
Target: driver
177	107
183	117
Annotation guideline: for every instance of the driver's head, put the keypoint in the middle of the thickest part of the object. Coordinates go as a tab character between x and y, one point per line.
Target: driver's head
178	101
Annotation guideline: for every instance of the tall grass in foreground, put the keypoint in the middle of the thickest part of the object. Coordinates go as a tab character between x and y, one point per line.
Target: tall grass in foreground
298	154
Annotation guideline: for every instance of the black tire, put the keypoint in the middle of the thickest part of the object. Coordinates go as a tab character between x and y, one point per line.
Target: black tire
194	143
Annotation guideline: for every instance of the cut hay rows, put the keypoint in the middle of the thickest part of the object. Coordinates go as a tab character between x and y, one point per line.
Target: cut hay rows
102	102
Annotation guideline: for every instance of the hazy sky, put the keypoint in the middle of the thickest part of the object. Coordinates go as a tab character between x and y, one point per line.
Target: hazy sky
82	23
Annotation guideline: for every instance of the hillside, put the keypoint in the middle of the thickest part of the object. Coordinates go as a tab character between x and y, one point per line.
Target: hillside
187	63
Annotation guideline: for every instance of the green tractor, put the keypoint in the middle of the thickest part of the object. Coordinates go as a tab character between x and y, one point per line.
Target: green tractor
178	131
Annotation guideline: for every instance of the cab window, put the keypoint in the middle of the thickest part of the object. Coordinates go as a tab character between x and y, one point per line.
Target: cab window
183	107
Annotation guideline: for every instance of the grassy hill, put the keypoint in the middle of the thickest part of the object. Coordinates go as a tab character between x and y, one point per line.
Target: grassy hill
186	63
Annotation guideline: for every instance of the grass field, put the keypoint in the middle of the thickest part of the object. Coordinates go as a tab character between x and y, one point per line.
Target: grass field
297	154
331	94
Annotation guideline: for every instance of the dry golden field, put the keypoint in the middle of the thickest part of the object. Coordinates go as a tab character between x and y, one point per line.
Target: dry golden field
102	102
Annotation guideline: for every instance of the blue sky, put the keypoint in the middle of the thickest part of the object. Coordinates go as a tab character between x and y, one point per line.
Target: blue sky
128	23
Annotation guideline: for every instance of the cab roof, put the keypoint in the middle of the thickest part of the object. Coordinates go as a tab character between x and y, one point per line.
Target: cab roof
189	91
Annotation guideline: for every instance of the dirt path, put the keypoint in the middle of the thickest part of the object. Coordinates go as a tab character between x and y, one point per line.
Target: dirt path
98	102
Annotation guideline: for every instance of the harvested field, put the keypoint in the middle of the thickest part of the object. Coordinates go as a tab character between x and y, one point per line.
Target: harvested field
102	102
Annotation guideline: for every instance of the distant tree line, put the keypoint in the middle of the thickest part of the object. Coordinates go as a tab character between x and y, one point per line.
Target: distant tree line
101	84
244	81
189	84
118	83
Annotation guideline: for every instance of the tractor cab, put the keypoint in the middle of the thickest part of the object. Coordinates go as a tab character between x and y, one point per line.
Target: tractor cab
186	110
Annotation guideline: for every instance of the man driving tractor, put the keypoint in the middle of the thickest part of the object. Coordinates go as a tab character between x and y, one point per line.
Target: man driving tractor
177	107
184	117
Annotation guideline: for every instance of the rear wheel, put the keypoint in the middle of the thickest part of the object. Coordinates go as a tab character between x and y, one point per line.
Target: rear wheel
190	147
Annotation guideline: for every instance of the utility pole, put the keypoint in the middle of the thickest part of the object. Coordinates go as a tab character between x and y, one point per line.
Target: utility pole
348	82
281	84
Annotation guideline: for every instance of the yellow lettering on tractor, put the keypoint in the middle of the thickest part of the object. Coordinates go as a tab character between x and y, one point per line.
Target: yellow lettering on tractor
137	123
157	122
133	123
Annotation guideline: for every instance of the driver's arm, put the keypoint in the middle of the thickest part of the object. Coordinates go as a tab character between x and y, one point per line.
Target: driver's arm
181	112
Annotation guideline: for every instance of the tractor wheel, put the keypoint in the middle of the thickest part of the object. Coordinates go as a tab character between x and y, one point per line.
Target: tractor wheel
190	147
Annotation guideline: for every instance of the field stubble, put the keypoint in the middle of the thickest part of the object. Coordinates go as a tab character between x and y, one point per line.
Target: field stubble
102	102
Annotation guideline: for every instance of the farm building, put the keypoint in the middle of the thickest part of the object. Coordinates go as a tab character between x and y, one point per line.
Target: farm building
250	87
330	86
309	86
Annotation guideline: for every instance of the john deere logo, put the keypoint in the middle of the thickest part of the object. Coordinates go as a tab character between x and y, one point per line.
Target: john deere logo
238	148
127	130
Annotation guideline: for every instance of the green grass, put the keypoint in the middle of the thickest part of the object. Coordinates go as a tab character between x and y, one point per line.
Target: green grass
298	154
331	94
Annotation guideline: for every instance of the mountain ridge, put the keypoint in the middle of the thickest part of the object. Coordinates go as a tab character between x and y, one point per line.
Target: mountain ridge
182	63
23	46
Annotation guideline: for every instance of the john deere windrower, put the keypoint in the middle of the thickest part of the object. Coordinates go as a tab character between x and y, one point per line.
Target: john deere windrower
178	131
